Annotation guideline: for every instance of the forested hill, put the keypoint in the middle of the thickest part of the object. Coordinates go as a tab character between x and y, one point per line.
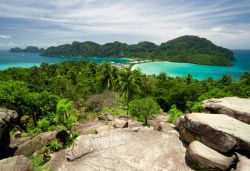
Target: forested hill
188	49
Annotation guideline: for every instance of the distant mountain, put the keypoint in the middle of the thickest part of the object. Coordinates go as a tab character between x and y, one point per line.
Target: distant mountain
187	49
30	49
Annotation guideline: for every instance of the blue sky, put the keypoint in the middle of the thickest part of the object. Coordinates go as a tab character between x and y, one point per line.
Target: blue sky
52	22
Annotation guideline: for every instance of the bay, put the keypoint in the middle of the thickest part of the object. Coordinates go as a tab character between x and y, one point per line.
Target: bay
26	60
241	64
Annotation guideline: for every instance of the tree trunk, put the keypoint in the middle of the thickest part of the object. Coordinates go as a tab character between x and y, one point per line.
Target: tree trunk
145	121
34	119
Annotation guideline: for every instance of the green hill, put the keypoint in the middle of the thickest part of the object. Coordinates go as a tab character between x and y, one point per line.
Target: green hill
188	49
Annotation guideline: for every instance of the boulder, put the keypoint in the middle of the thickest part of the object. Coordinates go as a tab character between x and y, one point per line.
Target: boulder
238	108
219	132
6	119
201	157
106	117
27	146
159	123
104	128
16	163
243	164
120	123
123	149
134	124
87	128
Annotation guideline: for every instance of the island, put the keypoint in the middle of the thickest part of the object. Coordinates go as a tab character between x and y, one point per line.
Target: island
28	49
185	49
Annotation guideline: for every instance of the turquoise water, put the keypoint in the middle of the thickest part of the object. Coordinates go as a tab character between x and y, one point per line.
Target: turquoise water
241	65
27	60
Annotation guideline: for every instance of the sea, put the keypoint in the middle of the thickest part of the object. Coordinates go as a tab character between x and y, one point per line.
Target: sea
26	60
241	64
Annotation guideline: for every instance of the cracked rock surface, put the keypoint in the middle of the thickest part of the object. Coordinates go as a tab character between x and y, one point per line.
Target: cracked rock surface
238	108
123	149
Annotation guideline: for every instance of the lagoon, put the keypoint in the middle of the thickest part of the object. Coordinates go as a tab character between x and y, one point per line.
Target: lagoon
241	65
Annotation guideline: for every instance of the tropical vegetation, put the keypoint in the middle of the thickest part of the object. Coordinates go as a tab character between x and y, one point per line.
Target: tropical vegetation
187	49
56	96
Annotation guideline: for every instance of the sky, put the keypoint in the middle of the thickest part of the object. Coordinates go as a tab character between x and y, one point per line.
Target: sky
52	22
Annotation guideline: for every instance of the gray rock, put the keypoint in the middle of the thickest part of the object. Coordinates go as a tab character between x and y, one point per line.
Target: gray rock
123	150
159	123
243	164
219	132
106	117
88	128
27	146
134	124
120	123
6	119
238	108
104	128
16	163
201	157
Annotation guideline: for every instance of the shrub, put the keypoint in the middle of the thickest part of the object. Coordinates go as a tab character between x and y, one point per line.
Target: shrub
197	107
96	102
68	123
143	109
214	93
119	111
34	131
37	161
174	113
55	146
43	124
72	137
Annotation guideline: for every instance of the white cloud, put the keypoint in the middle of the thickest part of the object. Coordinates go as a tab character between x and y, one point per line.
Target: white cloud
5	36
158	20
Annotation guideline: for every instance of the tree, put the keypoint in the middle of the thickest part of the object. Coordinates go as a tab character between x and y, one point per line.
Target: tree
144	108
63	108
63	116
108	76
226	80
129	84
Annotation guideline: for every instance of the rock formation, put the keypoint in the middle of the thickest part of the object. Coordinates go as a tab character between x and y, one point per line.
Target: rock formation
6	119
201	157
238	108
123	149
16	163
219	132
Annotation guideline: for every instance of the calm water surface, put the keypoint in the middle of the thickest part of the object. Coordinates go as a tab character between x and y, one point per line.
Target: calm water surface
26	60
241	65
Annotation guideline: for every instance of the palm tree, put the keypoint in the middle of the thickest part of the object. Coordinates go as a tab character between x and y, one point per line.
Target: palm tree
225	80
129	84
108	76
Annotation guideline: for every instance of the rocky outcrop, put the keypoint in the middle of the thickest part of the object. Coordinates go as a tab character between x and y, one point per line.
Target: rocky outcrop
88	128
219	132
6	119
28	145
243	164
238	108
16	163
123	149
201	157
